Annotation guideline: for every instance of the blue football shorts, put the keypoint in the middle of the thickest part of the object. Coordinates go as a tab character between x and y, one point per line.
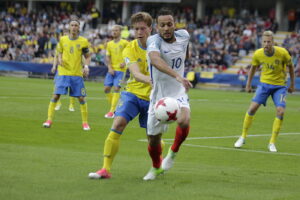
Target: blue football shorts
130	106
72	84
114	80
265	90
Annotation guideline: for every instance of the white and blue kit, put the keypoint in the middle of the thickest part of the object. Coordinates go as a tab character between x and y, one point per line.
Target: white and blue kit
174	55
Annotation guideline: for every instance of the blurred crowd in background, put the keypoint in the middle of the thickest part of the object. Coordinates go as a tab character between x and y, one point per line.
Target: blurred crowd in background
217	41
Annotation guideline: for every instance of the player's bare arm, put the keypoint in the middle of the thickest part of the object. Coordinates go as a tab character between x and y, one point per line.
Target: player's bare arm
110	69
87	61
162	66
59	59
292	78
54	66
135	71
250	77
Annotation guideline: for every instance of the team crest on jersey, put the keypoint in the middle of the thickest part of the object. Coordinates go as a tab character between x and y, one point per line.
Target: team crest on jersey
277	62
78	46
139	60
120	46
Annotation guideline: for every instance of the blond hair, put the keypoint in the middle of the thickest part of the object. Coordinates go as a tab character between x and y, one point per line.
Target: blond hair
141	17
118	26
268	34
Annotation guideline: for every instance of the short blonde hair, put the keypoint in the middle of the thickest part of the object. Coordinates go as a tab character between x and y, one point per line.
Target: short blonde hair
268	34
142	17
118	26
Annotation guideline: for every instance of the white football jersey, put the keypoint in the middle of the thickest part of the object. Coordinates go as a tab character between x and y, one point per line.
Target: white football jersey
174	55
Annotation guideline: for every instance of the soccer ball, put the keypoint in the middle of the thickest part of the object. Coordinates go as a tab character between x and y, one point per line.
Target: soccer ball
166	110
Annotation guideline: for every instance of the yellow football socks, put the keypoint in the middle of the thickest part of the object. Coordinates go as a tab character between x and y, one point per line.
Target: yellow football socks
276	128
114	102
51	108
84	112
246	125
111	148
72	101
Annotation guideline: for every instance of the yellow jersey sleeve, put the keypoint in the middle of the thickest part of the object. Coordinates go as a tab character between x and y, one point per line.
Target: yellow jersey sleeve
133	53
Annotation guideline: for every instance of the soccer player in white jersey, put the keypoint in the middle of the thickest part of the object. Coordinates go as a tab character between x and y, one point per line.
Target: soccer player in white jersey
166	55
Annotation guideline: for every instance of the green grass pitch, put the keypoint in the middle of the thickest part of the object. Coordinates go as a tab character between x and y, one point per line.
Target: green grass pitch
39	163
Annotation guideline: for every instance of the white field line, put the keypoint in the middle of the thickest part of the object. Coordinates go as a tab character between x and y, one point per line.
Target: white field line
232	148
224	137
244	150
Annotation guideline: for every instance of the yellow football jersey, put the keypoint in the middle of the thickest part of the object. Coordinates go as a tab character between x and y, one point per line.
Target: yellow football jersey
114	50
72	51
273	68
134	53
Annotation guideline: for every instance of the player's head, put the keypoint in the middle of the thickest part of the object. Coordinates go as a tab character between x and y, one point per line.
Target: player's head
166	24
267	41
74	26
116	31
142	25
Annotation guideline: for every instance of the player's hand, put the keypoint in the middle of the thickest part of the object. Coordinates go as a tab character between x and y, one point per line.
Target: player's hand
291	89
186	83
122	65
86	71
248	88
111	71
53	69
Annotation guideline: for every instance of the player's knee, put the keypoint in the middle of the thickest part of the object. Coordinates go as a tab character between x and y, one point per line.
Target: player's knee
106	89
154	140
184	122
280	112
116	89
55	97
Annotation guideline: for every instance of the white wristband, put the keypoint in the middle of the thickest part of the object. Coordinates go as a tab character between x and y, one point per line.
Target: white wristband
86	66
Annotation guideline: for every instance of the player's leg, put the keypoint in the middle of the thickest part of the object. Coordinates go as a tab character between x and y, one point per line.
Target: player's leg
279	100
115	99
154	132
260	97
84	113
116	90
124	114
155	152
51	110
78	90
61	87
249	116
58	105
108	82
72	104
182	132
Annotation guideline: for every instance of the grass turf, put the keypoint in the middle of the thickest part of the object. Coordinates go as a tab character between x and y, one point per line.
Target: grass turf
39	163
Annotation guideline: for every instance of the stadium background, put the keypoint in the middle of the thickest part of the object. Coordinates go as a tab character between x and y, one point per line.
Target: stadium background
224	33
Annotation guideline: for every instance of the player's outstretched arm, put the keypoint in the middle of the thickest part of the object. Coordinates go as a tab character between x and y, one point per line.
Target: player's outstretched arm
135	71
162	66
292	78
250	77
